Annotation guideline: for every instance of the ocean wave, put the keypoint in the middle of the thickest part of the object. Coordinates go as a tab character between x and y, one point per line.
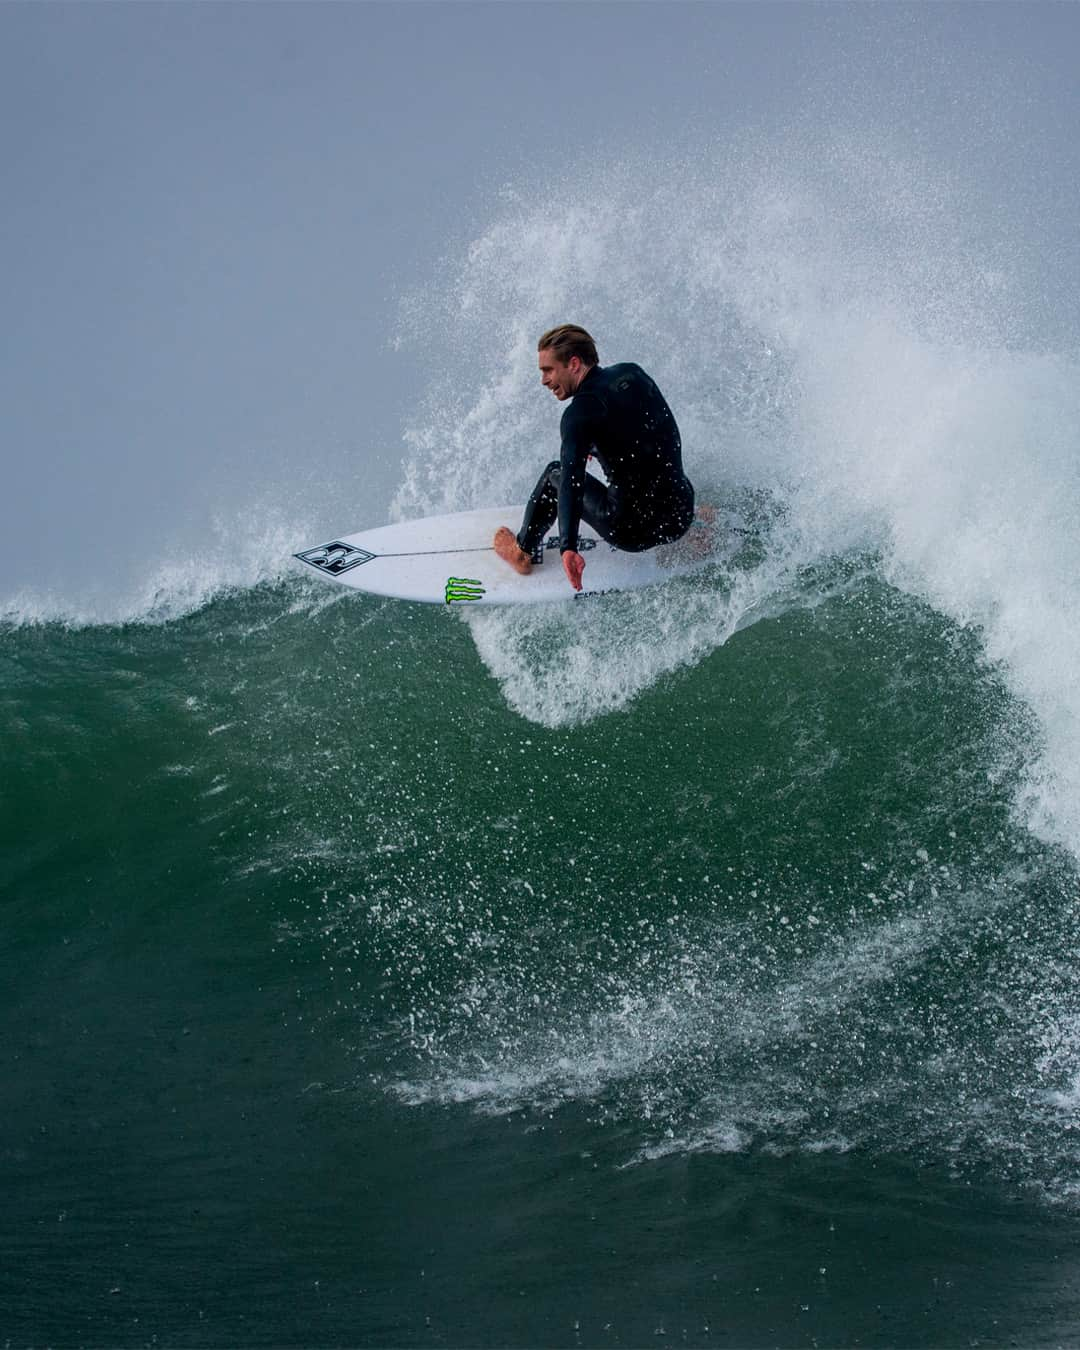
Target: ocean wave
838	323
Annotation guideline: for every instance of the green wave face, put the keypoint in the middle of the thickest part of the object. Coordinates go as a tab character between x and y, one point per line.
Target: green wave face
780	894
286	873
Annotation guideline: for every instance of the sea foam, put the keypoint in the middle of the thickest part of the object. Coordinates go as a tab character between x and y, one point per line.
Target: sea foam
844	327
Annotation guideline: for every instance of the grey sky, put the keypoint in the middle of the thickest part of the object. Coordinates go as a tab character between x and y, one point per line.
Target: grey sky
211	213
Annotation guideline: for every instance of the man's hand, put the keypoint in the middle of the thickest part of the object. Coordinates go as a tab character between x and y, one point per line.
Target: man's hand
573	565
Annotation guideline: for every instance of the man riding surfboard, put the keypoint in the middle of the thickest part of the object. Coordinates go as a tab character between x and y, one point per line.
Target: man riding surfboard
619	415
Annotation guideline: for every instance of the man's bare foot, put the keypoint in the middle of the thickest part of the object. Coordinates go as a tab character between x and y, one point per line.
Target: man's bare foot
509	550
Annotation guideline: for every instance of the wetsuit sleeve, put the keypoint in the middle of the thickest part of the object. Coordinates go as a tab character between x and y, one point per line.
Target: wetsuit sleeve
578	440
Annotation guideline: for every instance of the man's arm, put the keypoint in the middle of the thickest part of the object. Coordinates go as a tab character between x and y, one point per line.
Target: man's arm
577	442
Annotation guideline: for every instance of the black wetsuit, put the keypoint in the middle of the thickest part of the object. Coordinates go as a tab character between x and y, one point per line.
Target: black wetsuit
618	415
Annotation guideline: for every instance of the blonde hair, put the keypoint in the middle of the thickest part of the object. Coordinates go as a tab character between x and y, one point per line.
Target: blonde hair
567	341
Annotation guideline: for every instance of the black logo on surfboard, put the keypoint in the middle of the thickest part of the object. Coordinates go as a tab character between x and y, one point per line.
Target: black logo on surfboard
552	542
335	558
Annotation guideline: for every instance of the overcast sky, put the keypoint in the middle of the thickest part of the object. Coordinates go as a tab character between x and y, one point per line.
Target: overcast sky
211	213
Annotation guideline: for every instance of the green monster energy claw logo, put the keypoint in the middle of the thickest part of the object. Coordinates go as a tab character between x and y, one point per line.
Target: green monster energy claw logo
462	588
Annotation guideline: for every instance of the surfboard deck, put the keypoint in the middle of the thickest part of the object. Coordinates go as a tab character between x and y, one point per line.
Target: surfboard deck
449	560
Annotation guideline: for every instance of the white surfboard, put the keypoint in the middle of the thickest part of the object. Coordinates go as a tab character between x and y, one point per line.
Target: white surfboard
449	560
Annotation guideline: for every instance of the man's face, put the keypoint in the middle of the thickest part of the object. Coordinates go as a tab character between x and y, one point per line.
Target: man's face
561	379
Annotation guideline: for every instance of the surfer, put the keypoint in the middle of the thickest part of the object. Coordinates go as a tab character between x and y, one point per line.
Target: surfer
618	415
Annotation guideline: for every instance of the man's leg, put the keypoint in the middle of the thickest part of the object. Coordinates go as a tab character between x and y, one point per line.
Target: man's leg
597	509
542	509
540	513
600	509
